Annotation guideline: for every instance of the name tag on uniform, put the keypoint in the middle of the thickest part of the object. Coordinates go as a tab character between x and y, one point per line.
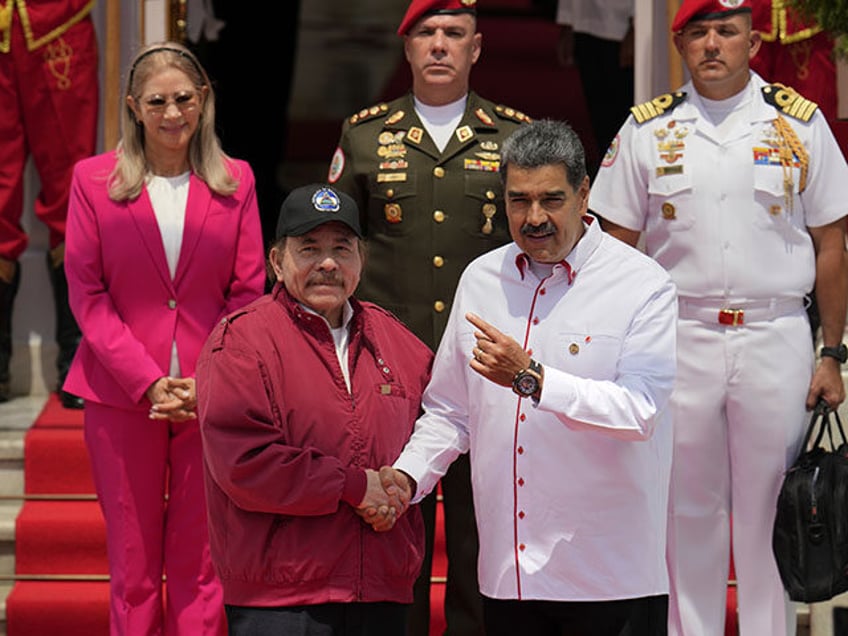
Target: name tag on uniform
665	170
391	177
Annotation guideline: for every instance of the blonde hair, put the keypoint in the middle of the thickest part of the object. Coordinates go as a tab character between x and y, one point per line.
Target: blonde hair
205	155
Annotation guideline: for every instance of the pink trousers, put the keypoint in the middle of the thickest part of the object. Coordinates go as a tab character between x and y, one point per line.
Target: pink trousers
149	481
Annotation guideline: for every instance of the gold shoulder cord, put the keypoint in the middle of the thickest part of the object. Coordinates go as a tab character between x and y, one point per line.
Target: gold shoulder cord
790	145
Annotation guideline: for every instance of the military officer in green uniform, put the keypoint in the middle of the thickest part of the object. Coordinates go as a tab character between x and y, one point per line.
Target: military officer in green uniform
424	170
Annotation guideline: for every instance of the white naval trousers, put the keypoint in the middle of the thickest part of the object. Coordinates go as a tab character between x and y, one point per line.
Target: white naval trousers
739	418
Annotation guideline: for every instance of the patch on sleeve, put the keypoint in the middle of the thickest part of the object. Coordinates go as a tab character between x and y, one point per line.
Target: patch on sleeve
337	165
612	152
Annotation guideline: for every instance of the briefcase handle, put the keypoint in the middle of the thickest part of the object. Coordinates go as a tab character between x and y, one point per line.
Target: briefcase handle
821	416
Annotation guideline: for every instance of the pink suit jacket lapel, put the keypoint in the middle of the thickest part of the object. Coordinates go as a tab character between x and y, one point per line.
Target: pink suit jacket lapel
197	208
141	211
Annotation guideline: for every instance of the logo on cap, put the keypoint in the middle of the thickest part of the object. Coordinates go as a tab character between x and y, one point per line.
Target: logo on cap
730	4
325	200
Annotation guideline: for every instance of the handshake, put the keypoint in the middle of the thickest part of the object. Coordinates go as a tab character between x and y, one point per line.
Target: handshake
387	497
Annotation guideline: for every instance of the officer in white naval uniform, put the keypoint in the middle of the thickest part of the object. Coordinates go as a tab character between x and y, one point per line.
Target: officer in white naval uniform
740	190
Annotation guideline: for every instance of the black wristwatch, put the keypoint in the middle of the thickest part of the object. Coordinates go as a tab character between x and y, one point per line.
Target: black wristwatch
527	381
839	353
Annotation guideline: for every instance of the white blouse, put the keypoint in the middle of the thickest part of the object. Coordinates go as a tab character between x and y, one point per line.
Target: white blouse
169	196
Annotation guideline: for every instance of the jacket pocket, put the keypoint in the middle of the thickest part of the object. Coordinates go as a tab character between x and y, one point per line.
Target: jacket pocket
770	211
484	213
392	208
670	202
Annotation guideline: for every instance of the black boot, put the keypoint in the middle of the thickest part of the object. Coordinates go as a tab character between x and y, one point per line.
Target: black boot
8	291
67	332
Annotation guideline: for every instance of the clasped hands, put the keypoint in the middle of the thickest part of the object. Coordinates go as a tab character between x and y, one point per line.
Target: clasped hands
387	496
172	399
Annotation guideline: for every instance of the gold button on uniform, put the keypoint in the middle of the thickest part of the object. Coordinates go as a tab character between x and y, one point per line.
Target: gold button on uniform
438	261
439	306
490	195
438	172
438	216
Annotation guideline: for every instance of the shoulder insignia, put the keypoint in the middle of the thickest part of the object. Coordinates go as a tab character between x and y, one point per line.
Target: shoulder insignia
647	111
505	112
788	101
367	114
395	117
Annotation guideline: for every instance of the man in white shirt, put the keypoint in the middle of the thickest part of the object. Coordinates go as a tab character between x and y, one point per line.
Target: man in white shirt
554	371
423	170
740	190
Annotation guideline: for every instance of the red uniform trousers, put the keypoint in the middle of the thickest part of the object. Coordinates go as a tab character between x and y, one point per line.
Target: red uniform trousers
48	108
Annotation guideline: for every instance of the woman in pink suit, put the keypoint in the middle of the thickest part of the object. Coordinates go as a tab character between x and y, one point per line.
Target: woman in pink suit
163	240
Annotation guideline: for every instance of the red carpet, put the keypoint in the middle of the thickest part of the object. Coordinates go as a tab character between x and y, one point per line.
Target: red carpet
60	539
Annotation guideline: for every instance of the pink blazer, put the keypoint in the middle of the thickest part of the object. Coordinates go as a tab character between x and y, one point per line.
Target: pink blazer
120	290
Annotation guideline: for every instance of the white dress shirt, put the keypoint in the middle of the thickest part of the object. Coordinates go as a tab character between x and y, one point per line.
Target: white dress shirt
570	493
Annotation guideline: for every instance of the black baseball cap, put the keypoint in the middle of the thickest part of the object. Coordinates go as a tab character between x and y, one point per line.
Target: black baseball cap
307	207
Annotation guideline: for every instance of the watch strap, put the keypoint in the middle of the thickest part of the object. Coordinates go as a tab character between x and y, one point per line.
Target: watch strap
839	353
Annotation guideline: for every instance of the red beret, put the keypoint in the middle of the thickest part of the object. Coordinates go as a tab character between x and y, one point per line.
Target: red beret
419	8
708	10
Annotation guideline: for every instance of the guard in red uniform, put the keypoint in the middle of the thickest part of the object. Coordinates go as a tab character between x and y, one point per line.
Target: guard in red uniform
48	109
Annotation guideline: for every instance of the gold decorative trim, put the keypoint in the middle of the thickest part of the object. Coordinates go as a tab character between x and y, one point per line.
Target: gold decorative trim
33	43
780	27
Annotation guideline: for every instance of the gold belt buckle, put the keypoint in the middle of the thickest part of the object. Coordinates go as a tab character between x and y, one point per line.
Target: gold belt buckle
732	317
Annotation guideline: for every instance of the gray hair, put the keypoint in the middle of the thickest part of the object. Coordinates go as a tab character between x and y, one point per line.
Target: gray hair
545	142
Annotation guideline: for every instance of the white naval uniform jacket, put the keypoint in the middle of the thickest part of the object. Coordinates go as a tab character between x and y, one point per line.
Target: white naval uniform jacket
713	211
570	494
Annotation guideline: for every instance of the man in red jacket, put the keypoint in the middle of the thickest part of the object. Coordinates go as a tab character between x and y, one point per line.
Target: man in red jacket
299	393
48	108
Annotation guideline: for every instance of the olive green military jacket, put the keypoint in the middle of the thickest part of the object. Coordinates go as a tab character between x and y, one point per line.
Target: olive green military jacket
426	213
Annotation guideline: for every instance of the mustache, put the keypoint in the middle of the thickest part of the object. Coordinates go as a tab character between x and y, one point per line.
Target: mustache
537	230
325	279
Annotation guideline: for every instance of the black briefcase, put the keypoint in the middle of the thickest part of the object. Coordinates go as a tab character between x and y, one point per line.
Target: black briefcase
810	537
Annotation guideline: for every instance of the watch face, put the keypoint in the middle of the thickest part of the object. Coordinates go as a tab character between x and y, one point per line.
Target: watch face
526	384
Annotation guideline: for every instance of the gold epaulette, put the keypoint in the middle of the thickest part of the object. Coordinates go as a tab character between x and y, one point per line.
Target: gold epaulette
505	112
369	113
789	101
647	111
